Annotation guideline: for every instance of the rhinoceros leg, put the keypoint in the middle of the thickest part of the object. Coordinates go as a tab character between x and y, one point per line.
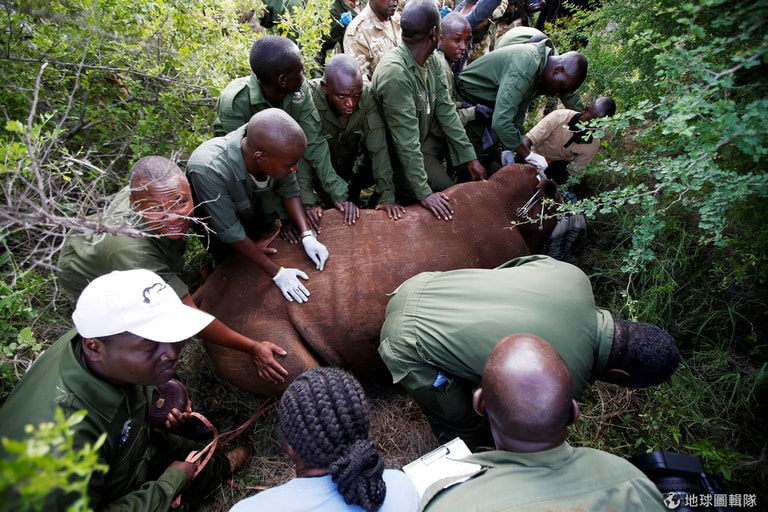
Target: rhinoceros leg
238	368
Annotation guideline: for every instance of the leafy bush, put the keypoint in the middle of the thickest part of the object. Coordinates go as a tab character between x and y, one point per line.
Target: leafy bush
47	461
688	83
307	27
675	204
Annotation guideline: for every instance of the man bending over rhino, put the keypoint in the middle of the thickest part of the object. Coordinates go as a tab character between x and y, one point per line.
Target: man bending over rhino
157	201
440	328
240	183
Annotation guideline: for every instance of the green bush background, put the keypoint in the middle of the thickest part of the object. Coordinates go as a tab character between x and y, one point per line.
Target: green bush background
675	201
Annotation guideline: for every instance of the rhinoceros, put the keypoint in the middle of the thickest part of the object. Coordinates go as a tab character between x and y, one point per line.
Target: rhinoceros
340	323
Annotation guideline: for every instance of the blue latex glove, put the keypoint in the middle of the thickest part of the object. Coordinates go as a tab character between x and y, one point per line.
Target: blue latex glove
444	10
316	251
345	19
483	114
287	279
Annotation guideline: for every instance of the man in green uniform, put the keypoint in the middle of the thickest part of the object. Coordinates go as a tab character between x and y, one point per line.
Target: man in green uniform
522	35
508	79
130	330
441	326
455	38
277	80
526	394
412	90
239	183
342	14
356	133
155	209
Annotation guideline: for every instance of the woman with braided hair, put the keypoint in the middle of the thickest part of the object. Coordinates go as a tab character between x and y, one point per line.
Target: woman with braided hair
324	420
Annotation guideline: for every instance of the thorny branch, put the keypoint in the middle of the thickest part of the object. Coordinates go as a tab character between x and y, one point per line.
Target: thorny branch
41	200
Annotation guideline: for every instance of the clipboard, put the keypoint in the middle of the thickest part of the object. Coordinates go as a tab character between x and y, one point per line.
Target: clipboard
443	462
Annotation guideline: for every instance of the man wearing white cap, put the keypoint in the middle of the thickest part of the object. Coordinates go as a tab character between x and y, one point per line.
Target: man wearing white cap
130	328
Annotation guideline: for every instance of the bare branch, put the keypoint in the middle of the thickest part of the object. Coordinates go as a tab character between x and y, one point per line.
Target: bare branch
111	69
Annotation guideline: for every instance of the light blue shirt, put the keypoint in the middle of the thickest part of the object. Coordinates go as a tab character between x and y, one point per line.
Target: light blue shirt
320	494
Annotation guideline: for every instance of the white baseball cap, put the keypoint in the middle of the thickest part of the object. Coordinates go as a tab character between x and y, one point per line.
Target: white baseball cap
136	301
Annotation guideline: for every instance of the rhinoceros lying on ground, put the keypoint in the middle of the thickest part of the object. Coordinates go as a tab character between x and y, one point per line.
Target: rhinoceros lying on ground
340	323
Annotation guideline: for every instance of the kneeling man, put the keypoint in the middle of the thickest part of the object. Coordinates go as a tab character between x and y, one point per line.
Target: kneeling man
130	328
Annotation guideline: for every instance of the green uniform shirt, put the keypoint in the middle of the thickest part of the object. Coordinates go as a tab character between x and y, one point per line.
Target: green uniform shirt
363	131
521	35
455	319
86	257
562	478
132	450
226	196
440	328
506	79
243	97
412	98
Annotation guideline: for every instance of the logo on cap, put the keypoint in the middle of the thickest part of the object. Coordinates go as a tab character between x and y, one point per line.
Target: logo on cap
151	291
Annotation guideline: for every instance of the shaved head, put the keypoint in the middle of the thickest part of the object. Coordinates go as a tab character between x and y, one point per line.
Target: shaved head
452	23
604	106
273	145
564	73
342	64
272	129
272	56
527	392
153	169
576	66
419	17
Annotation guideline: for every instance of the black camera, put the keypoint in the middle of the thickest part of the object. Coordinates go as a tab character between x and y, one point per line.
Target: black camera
683	476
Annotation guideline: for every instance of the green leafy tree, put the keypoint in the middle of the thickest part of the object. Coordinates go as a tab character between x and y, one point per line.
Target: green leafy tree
47	461
308	26
676	202
690	82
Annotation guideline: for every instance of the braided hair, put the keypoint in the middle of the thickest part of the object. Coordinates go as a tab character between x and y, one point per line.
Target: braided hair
324	417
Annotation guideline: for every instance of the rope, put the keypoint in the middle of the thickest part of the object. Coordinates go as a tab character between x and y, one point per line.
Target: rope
220	439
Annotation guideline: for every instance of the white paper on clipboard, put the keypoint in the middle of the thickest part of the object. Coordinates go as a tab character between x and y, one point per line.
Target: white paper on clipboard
442	462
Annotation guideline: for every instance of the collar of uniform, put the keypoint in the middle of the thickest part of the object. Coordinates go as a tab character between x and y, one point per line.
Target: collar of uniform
324	107
255	94
552	458
541	52
235	154
104	398
259	102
